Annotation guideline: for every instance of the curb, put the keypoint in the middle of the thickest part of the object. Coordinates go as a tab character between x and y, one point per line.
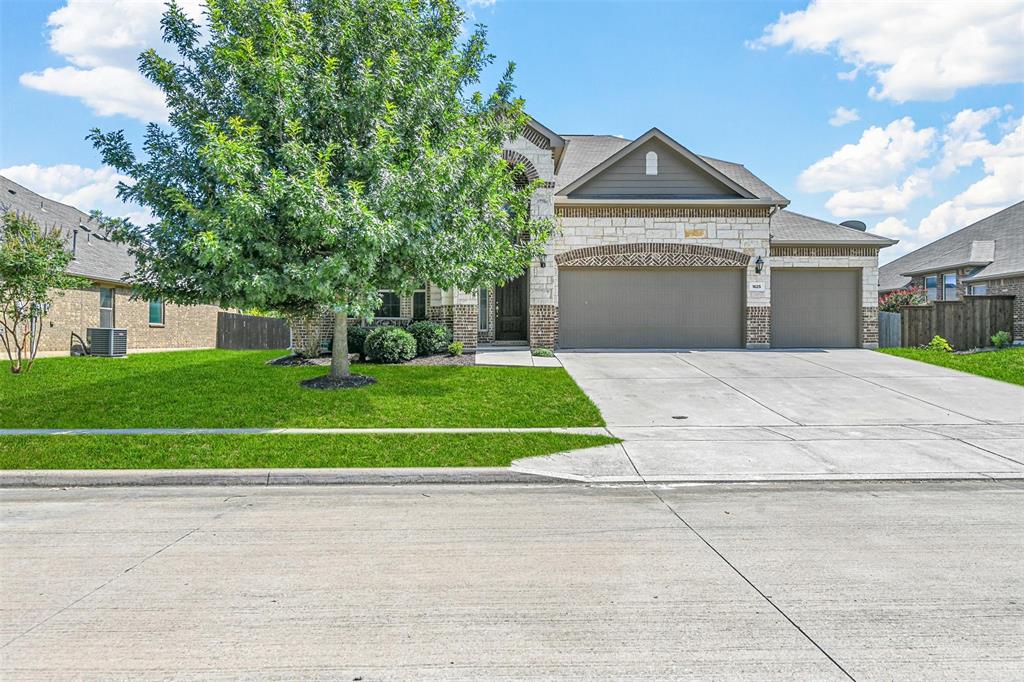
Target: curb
100	478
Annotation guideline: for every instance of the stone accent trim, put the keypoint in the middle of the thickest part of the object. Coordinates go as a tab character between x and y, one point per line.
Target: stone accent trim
825	251
659	212
869	327
758	332
543	326
515	159
652	255
465	325
536	138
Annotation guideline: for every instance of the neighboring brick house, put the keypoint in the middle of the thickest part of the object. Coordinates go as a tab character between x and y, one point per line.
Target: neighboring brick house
151	324
984	258
656	246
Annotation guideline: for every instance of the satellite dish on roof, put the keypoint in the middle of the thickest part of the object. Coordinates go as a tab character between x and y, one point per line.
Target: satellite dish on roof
855	225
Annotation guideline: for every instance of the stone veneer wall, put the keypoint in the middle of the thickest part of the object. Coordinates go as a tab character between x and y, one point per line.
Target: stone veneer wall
184	327
726	231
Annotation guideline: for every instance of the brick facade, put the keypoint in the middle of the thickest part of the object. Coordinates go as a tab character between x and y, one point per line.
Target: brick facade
758	326
543	326
465	325
1013	286
184	327
869	327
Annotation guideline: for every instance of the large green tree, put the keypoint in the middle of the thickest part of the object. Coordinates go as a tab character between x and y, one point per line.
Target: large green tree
321	150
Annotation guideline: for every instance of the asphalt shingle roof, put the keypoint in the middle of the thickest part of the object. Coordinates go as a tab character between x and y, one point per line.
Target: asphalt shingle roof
96	256
796	228
1005	230
583	152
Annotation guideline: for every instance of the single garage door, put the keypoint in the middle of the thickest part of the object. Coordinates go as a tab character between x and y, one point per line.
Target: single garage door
815	308
650	308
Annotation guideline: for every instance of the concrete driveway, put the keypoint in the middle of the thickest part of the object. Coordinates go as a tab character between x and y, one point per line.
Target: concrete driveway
791	415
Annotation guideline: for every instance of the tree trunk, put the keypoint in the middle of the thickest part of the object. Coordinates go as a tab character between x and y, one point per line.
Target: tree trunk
339	347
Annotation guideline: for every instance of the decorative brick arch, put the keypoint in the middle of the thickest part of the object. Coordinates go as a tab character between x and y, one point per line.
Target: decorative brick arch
652	255
515	158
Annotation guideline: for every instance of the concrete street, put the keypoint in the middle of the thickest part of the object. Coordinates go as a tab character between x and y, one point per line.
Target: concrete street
776	581
790	415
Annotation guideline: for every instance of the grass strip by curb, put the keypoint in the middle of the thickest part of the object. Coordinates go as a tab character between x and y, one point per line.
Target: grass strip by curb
1005	365
284	450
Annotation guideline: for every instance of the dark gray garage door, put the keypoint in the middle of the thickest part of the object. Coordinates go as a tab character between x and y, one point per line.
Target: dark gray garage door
650	308
815	308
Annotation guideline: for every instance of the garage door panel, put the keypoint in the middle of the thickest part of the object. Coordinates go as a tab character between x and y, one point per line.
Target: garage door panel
815	308
650	308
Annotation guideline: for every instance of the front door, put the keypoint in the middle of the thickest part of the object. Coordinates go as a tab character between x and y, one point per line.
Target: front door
510	310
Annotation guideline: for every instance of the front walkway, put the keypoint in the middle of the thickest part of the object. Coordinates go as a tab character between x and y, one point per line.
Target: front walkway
799	415
512	356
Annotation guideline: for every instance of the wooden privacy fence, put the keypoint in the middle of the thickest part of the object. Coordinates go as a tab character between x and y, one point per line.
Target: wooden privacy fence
889	329
252	332
968	323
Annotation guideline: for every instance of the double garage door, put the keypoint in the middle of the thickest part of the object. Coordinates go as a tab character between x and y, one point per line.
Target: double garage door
702	308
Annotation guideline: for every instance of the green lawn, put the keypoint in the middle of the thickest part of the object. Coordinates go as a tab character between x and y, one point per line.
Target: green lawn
284	450
1005	365
221	389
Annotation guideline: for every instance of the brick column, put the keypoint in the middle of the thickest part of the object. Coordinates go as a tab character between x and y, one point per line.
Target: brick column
758	333
543	326
465	325
869	327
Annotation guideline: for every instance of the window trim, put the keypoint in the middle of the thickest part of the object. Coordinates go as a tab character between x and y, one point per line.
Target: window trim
483	309
945	287
973	289
398	300
422	289
931	292
163	312
651	163
112	307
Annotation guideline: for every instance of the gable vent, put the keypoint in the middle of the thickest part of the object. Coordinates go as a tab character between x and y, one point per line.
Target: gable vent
652	163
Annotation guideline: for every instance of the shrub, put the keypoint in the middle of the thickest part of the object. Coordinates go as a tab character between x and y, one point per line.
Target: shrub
357	340
894	300
389	345
543	353
431	337
1002	339
940	344
455	347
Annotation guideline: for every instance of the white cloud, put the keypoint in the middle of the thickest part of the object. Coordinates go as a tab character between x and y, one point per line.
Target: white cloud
1001	186
101	41
914	50
888	199
842	116
86	189
880	157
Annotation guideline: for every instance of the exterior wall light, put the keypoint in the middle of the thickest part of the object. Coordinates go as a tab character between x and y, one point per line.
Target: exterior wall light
759	265
543	260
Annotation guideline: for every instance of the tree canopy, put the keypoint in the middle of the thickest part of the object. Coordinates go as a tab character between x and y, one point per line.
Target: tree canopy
320	150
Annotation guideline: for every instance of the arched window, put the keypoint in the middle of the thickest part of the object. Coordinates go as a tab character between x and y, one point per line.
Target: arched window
652	163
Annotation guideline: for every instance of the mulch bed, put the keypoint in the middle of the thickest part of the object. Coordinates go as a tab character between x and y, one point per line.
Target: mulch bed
325	360
329	383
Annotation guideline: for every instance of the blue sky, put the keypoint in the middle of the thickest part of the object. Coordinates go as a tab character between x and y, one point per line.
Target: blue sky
929	149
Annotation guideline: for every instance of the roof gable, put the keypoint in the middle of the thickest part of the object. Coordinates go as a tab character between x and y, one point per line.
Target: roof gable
681	174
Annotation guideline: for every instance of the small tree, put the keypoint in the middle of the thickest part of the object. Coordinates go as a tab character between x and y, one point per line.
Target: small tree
32	264
894	300
320	151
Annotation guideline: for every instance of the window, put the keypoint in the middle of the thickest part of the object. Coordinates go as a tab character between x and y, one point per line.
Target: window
484	295
949	292
390	305
979	290
931	285
419	303
106	307
156	312
652	163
